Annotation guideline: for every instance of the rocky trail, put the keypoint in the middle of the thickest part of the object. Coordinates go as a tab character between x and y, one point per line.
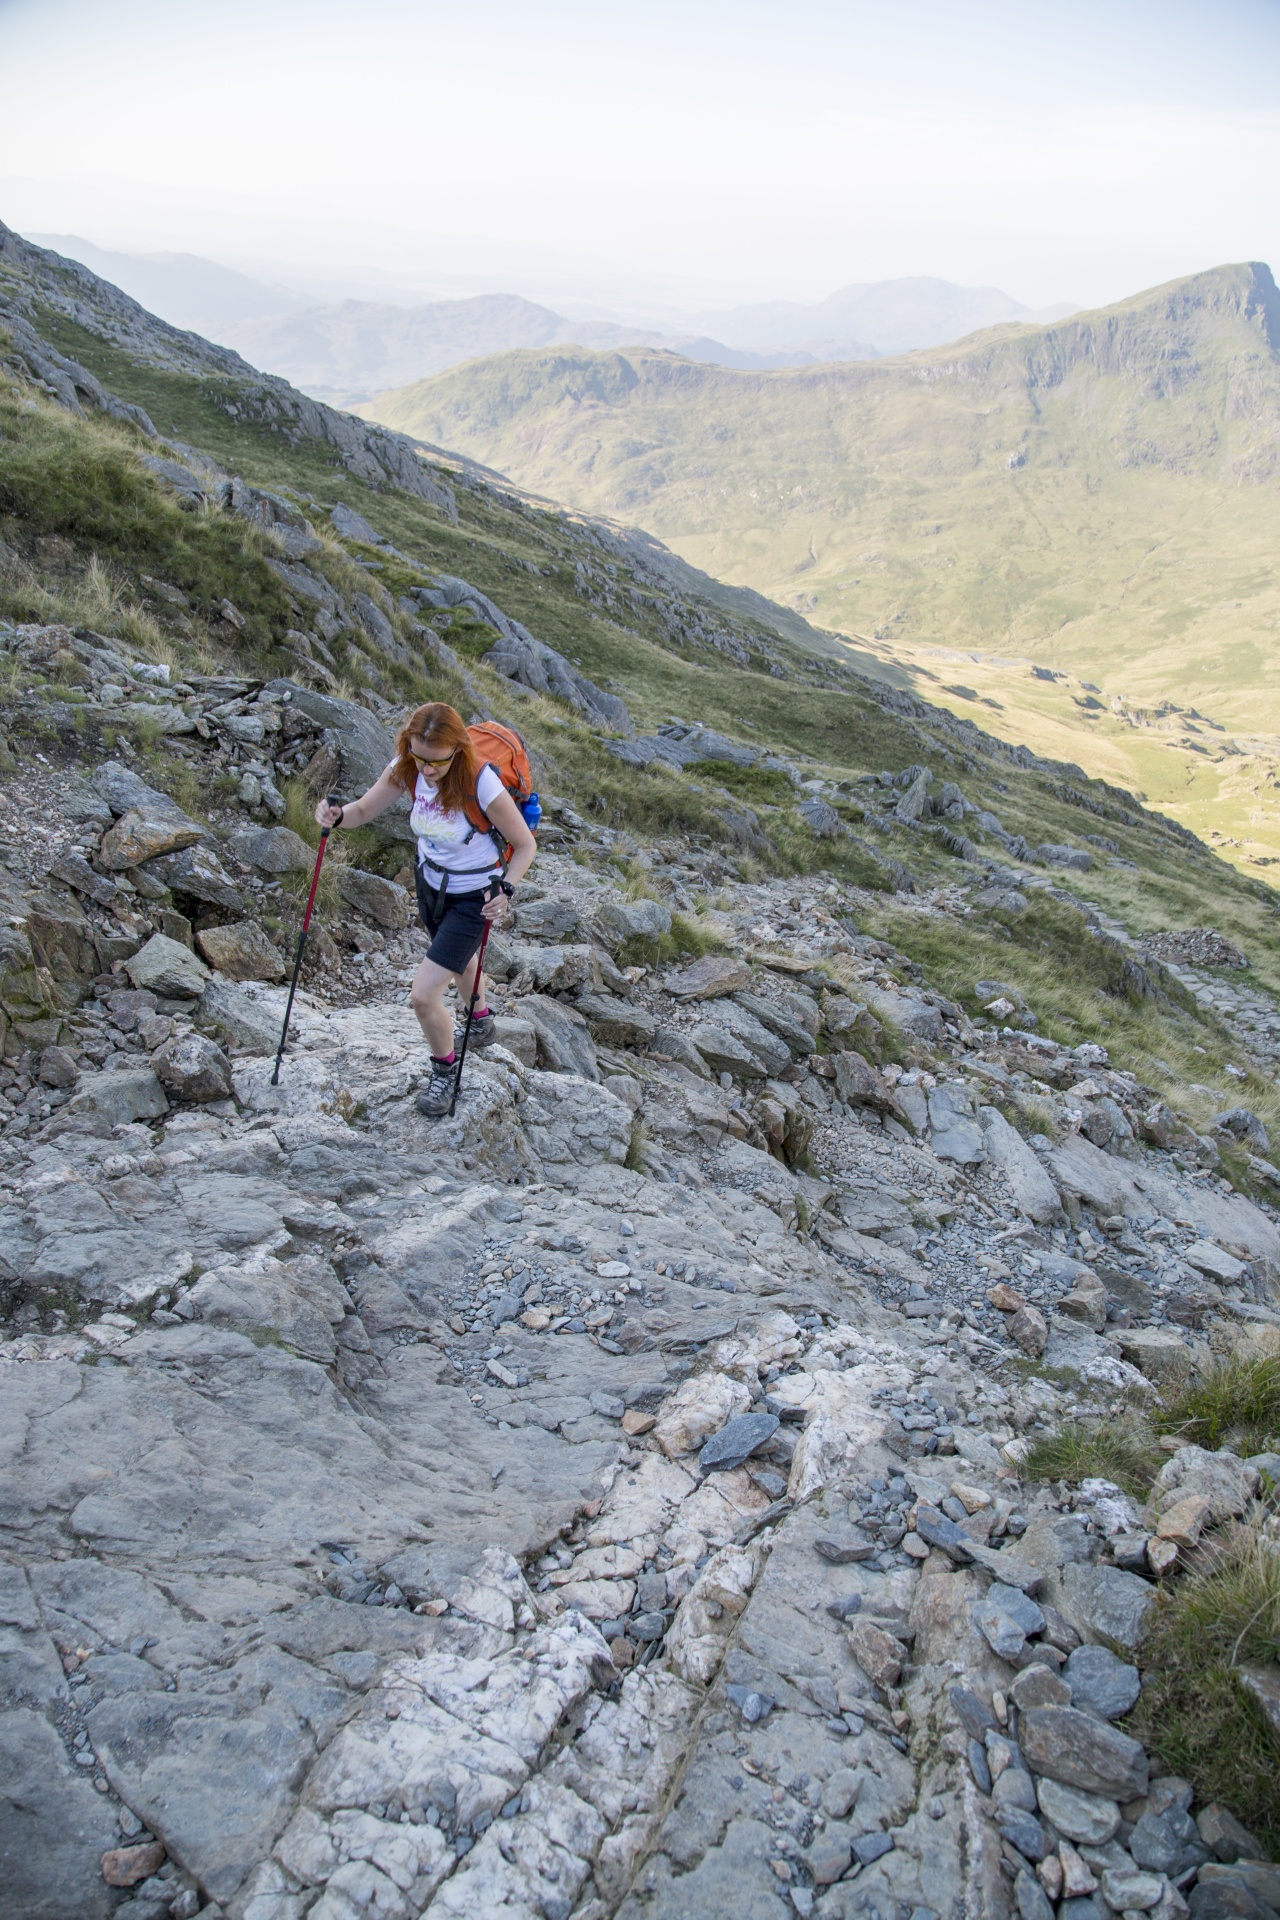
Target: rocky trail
606	1502
612	1501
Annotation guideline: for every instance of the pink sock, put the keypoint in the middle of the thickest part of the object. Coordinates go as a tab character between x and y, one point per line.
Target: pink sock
446	1060
481	1013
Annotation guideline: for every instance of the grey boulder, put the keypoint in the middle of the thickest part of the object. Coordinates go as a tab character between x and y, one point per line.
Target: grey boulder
1089	1819
623	920
1051	855
615	1022
954	1134
198	872
773	1054
193	1069
1074	1748
242	951
1100	1683
167	968
1105	1603
1005	1617
564	1038
1223	1479
376	898
120	1098
363	745
548	919
273	850
787	1029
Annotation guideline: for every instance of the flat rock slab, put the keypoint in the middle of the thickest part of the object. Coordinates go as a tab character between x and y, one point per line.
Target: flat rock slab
1107	1604
54	1828
737	1441
1080	1751
1089	1819
708	979
846	1549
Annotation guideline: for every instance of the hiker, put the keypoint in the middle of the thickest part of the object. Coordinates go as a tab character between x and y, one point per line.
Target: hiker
474	845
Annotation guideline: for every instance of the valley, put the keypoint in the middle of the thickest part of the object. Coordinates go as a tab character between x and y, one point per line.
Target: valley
1096	497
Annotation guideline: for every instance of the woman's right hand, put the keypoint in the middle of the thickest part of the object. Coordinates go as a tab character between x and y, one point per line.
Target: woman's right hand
327	816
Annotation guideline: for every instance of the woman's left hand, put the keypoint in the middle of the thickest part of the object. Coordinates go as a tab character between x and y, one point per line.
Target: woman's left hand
496	908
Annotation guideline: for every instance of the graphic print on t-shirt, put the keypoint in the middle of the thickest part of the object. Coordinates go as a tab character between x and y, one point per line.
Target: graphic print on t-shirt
447	841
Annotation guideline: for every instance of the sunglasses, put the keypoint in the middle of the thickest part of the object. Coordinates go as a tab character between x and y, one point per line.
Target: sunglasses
425	760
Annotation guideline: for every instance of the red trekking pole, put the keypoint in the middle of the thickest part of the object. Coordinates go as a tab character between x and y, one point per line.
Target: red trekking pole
333	801
471	1004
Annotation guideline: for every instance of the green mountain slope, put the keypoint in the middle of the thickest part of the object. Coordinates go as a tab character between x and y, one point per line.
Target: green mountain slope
165	506
1101	495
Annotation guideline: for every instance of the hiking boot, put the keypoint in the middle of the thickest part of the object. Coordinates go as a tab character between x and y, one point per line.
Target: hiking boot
436	1097
484	1031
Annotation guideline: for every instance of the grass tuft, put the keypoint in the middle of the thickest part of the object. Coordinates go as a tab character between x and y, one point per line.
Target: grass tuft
1120	1451
1193	1712
685	941
1236	1401
300	810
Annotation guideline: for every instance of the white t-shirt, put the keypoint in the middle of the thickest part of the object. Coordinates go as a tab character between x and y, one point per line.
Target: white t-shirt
448	843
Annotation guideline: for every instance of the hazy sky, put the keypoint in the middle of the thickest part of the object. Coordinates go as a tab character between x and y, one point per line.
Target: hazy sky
749	150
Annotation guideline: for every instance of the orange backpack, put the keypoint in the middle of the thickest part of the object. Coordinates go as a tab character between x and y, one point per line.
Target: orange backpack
502	749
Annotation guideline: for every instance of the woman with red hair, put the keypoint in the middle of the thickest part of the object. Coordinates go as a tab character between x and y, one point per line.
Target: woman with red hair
462	877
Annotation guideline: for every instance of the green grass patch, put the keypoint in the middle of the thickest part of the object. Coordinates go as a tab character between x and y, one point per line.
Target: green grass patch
764	786
1122	1451
1236	1403
687	940
1193	1712
1078	989
83	481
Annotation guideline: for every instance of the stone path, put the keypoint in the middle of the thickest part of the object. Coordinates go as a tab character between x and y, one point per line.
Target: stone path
364	1550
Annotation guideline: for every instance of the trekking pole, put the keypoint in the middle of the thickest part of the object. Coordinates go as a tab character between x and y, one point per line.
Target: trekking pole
333	801
471	1006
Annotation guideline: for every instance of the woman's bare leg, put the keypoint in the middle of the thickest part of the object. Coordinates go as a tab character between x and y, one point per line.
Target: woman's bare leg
426	997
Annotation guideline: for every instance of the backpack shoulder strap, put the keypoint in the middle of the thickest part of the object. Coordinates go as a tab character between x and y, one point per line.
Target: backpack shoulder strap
498	838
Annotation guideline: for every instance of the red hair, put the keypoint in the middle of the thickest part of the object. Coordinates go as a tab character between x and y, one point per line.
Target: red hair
438	727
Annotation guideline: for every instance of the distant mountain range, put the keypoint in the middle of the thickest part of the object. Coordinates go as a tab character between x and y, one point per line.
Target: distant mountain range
899	315
346	351
1101	494
183	288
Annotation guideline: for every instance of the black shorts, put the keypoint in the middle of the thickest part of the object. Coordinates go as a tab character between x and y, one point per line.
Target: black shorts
457	933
